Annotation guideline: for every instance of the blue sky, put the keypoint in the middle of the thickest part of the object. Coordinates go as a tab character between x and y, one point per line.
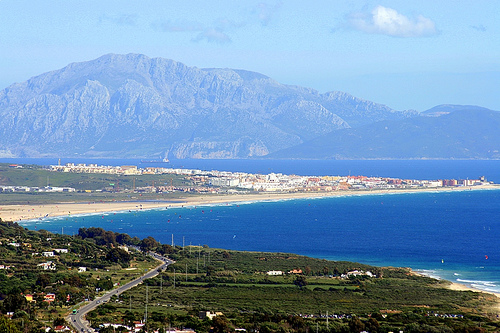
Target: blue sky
405	54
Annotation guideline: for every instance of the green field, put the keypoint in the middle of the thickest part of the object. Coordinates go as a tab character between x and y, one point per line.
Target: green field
97	184
235	284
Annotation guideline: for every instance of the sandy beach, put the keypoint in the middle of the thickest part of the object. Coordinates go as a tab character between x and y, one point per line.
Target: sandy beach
494	310
18	213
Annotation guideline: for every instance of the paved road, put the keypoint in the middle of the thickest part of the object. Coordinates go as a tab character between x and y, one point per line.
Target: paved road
78	320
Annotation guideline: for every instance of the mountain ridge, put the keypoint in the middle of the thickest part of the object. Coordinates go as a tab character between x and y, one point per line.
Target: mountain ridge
450	135
135	106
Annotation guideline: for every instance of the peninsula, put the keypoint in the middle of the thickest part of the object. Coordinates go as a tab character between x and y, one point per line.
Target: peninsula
97	189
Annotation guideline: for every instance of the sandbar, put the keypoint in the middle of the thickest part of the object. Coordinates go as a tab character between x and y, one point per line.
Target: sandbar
16	213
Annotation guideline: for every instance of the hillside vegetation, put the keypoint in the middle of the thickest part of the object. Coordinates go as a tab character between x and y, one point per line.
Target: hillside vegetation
299	297
98	184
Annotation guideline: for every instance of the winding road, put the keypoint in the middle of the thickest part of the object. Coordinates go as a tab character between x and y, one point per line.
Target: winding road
78	320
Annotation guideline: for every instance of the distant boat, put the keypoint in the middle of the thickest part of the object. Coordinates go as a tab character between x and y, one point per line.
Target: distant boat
165	160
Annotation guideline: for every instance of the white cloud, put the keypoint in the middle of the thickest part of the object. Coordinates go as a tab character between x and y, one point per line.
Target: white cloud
266	12
219	31
213	35
387	21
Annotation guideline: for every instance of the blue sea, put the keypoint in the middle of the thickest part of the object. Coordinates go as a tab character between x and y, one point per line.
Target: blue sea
450	235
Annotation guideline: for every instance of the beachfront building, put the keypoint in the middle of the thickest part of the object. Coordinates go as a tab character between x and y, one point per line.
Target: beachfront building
224	181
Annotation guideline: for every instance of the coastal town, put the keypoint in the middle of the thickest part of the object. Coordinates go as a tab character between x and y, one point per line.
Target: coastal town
114	188
215	181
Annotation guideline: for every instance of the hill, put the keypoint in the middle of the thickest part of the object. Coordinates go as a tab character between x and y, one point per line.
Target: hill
134	106
445	132
268	292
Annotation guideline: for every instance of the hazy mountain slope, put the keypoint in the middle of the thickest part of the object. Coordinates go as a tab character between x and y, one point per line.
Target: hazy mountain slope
135	106
359	112
443	109
463	133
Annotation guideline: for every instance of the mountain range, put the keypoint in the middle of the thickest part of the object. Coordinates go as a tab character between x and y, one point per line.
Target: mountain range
133	106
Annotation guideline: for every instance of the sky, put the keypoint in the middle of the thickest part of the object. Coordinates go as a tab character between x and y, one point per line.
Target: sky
404	54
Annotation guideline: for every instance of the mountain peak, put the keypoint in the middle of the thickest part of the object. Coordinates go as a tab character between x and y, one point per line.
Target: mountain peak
132	105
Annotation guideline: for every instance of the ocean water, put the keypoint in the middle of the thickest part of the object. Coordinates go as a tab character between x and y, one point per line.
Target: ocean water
451	235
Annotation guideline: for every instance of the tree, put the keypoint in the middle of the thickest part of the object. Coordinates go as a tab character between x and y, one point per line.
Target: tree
105	284
210	270
165	249
372	325
14	302
119	256
7	326
60	321
123	239
356	325
300	281
75	281
148	244
43	280
220	324
296	322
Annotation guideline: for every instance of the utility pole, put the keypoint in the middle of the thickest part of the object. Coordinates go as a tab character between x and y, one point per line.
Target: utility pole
146	314
186	272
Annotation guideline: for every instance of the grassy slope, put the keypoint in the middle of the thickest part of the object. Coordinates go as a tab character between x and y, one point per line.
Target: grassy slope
238	286
36	176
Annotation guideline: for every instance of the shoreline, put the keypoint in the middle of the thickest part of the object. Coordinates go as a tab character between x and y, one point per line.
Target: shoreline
462	287
456	285
32	212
